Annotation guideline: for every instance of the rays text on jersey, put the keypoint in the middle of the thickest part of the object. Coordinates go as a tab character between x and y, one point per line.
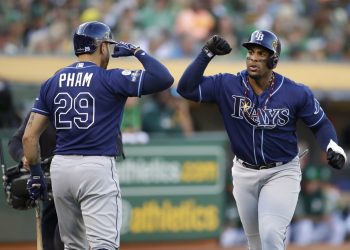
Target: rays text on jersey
243	108
75	79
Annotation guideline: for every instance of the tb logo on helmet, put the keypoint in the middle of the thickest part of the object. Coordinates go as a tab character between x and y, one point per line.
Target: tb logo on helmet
259	36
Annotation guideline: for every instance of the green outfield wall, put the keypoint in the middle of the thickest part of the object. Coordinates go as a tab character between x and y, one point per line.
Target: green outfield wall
172	189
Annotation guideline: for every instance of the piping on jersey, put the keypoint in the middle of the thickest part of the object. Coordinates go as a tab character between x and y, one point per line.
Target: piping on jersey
256	162
262	145
139	87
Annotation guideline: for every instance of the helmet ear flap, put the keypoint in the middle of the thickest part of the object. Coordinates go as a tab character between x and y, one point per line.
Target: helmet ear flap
272	62
84	44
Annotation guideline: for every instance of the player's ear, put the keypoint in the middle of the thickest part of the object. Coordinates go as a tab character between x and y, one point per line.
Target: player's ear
103	48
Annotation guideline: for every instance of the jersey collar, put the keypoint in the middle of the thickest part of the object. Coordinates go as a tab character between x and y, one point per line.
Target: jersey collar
279	80
82	64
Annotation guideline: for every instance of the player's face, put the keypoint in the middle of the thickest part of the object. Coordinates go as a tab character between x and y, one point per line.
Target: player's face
104	55
256	62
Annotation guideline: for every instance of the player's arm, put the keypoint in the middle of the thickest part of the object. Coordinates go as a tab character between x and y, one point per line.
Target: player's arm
36	184
156	76
188	86
324	133
315	118
326	136
36	125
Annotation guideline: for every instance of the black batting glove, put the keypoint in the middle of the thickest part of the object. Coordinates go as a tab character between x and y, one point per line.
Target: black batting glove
216	45
122	49
335	160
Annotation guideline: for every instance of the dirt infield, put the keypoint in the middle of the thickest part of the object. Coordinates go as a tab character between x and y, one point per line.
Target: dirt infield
189	245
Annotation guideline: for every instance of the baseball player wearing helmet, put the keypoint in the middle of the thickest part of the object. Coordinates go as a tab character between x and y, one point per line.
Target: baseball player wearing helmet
85	101
260	109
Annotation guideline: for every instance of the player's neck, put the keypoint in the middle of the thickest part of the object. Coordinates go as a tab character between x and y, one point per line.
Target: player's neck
259	85
89	58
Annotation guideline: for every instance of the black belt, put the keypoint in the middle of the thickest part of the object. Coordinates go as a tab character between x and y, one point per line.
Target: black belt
262	166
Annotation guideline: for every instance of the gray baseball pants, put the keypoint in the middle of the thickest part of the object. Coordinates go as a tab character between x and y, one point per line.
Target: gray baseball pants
266	201
88	201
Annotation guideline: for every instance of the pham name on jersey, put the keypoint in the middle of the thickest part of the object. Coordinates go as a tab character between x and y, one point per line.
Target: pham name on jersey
79	79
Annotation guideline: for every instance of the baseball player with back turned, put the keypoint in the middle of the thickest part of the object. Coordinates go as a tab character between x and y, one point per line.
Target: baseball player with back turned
260	109
85	102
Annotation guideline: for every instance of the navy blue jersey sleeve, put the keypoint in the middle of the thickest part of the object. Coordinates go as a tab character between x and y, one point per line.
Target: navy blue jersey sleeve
156	76
310	110
196	87
209	88
324	132
125	82
40	105
315	118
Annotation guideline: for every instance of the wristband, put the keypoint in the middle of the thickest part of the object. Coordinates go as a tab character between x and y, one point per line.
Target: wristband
137	50
36	169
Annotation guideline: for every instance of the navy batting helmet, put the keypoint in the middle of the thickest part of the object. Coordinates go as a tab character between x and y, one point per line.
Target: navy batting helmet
89	35
269	41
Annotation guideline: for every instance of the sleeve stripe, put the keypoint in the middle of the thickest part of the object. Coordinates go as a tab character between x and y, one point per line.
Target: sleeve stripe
140	84
39	110
200	93
317	121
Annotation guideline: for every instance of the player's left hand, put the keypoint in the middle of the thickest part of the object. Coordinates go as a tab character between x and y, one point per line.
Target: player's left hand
335	159
335	155
36	184
124	49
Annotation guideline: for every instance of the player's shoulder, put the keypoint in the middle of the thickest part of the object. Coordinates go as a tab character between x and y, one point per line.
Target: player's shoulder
292	85
232	75
125	74
228	77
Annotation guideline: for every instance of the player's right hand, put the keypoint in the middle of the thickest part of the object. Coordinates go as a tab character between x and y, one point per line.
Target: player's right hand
124	49
36	184
216	45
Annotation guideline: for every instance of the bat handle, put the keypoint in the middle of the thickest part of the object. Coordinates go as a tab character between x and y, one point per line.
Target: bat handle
301	155
39	239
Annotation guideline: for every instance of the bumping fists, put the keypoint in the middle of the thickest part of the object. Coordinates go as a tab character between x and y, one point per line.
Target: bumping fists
216	45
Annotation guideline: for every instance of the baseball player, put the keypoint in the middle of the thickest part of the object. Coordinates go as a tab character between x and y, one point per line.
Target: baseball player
47	141
84	101
260	109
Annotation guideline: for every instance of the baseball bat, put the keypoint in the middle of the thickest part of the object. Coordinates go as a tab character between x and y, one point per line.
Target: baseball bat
2	161
39	238
301	155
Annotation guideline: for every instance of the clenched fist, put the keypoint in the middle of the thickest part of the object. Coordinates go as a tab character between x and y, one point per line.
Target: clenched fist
335	159
124	49
216	45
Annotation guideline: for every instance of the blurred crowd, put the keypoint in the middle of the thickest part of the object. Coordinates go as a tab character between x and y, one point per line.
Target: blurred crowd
309	29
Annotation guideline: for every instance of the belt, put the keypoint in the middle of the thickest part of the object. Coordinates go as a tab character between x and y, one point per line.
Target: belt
262	166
